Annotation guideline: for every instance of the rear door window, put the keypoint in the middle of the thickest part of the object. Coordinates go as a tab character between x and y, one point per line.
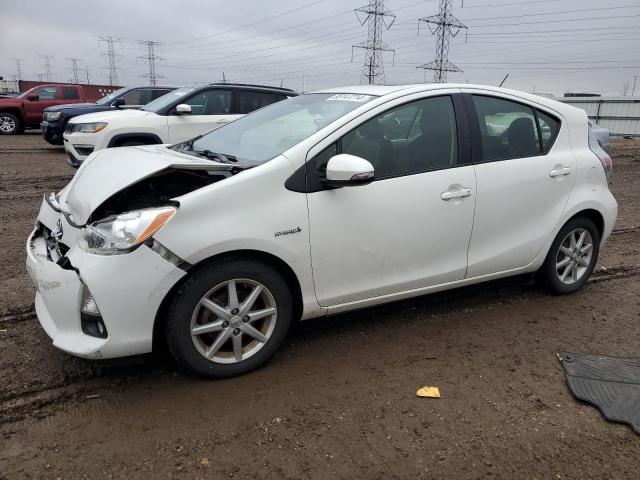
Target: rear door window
508	129
158	92
70	93
247	102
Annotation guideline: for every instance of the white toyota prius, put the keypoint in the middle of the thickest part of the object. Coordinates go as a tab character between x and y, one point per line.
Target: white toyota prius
319	204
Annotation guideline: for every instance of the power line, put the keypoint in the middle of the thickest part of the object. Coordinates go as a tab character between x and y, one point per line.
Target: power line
74	69
378	17
251	24
46	65
151	59
111	57
444	25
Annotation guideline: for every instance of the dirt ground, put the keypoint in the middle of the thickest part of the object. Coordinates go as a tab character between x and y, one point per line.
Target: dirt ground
339	400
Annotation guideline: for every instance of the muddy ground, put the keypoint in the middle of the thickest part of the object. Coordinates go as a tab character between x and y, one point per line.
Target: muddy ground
339	400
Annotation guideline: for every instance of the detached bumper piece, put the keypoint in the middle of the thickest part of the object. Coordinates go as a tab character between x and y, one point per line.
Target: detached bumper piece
612	384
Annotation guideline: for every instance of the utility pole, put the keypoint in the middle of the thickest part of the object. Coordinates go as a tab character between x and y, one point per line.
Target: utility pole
46	64
378	18
18	67
74	69
151	59
444	25
111	57
635	79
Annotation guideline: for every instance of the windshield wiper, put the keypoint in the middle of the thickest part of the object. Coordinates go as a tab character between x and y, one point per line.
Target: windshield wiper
221	157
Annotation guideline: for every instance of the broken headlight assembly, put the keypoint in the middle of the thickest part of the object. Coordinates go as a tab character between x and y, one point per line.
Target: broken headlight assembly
122	233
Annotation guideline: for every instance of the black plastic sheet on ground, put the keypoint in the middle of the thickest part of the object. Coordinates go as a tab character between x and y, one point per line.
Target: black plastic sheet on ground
610	383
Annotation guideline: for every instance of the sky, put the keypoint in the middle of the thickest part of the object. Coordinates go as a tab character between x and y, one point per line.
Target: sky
546	46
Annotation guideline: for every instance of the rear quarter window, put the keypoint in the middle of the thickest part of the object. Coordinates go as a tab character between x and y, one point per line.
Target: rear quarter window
549	128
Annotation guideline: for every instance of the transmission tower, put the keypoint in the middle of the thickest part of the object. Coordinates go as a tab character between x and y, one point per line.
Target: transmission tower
111	57
378	18
152	59
74	69
46	65
444	25
86	72
18	67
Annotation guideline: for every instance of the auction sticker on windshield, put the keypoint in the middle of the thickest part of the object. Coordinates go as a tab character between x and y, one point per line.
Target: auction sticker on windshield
349	97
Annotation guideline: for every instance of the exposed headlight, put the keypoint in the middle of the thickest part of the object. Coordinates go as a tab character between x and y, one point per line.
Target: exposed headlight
122	233
53	115
53	201
94	127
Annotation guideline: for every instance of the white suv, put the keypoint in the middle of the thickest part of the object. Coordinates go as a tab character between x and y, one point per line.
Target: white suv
175	117
323	203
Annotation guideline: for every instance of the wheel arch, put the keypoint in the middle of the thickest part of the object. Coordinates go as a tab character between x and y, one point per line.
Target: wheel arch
246	254
146	138
592	214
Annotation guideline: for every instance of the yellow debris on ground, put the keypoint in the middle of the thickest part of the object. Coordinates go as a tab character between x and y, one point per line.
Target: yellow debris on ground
431	392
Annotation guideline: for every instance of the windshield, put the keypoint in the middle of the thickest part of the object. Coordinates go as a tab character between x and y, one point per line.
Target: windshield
166	100
107	99
266	133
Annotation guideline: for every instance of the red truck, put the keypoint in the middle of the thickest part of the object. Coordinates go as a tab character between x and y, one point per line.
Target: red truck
25	110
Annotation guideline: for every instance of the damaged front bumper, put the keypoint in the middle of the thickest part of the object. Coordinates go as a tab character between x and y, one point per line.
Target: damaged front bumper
128	290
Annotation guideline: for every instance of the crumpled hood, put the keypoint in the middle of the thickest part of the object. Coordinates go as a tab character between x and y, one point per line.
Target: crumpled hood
111	115
109	171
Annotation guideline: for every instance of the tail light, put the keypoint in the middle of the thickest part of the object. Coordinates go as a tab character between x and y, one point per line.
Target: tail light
604	157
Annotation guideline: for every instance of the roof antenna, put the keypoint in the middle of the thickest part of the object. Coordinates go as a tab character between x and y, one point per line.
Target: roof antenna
504	80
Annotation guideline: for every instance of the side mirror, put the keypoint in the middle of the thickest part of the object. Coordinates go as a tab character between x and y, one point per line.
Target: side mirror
183	109
33	98
119	102
346	170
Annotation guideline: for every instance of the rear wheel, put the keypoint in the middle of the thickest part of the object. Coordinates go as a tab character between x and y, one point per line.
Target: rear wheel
571	258
229	318
10	124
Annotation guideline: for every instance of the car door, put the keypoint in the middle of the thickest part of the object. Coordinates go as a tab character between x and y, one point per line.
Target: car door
210	109
408	229
525	173
47	97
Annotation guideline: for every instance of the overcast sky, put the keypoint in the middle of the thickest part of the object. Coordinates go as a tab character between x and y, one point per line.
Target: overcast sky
549	46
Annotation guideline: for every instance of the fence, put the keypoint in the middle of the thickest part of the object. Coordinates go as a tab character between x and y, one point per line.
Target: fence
621	115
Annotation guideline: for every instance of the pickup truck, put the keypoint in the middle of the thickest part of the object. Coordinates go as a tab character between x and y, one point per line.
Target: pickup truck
55	119
25	110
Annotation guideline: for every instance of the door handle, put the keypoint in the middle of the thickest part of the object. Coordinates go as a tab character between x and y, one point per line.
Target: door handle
457	193
559	170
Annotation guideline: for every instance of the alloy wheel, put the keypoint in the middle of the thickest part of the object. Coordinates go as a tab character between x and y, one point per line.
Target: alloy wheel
233	321
7	124
574	256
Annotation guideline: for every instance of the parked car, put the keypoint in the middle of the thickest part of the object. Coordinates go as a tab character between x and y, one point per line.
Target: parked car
173	118
315	205
54	119
602	135
25	110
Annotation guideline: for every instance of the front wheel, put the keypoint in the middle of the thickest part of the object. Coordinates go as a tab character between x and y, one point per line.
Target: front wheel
229	318
571	258
10	124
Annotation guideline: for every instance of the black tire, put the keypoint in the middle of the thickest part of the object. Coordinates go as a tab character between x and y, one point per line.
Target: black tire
548	277
187	299
8	119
